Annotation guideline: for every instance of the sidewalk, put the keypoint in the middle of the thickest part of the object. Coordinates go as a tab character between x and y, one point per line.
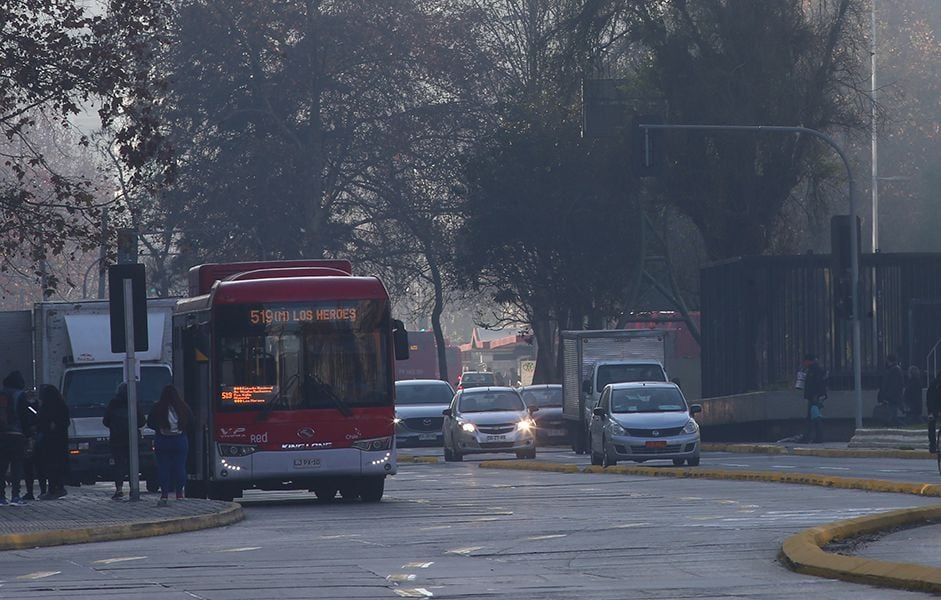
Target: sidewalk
87	514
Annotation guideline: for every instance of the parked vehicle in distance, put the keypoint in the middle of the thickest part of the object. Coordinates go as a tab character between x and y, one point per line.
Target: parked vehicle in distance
643	421
550	428
472	379
418	407
488	419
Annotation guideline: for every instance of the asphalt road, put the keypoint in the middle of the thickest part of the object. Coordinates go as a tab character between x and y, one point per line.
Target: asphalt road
892	469
457	531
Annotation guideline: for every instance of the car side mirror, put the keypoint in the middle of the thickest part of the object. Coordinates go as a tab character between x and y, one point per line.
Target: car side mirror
532	409
586	386
599	412
695	408
446	412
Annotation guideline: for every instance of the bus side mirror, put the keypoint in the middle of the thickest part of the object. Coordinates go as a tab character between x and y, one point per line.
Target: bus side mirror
400	339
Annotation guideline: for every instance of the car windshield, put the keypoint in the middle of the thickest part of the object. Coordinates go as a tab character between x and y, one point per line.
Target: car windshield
88	391
638	400
625	373
407	394
543	397
491	402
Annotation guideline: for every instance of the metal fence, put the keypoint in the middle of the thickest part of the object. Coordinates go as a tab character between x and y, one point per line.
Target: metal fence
761	314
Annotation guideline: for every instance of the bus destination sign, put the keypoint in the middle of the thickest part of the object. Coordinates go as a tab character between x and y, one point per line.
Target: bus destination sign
247	395
269	316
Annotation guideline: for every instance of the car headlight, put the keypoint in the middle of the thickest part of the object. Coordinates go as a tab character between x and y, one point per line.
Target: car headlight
525	425
469	427
691	427
616	428
396	421
383	443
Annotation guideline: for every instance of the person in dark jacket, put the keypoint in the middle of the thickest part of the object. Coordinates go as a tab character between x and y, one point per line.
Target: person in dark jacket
27	411
170	418
913	396
892	387
53	447
815	392
933	407
12	440
116	420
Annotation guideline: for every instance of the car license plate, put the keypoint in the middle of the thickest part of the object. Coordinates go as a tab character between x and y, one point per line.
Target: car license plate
496	438
428	436
306	463
656	444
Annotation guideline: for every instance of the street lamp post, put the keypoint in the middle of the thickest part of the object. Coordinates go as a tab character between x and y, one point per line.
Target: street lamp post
854	233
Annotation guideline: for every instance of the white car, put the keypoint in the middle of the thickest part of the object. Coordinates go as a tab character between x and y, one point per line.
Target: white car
488	419
642	421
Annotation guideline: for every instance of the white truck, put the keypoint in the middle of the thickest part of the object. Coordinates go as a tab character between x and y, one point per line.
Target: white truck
593	359
71	349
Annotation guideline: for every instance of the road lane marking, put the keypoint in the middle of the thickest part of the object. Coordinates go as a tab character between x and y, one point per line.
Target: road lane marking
245	549
434	527
413	593
728	501
417	565
38	575
783	467
836	468
689	498
398	577
340	536
628	525
732	465
111	561
465	551
546	537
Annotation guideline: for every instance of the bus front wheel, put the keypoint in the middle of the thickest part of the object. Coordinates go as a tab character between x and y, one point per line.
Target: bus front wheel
372	488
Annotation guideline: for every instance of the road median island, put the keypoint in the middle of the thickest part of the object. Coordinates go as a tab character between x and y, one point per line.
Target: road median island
411	458
803	552
822	452
229	514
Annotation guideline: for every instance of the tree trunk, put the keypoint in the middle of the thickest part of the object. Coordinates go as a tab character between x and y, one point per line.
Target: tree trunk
436	311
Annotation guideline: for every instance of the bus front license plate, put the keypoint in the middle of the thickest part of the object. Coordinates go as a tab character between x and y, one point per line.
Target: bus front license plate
306	463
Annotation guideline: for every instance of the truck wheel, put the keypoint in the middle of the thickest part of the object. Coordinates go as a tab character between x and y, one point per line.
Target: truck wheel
372	488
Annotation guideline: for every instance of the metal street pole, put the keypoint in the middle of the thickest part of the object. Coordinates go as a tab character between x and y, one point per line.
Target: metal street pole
854	233
133	431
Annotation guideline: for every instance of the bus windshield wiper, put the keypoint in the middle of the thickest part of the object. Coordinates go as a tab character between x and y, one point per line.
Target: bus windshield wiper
322	389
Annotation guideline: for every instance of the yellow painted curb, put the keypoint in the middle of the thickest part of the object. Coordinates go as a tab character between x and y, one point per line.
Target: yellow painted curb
803	552
869	485
410	458
823	452
125	531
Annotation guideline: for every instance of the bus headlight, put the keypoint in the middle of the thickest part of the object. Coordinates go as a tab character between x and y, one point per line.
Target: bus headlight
236	449
372	445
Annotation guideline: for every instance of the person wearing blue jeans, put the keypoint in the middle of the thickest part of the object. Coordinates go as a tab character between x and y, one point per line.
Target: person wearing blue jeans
170	418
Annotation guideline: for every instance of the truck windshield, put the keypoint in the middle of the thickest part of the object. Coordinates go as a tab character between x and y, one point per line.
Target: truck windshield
647	400
88	391
624	373
304	355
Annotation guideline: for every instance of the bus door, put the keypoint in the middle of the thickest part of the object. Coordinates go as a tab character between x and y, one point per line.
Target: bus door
194	350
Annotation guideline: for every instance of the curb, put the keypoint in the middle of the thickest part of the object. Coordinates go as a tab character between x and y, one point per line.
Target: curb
409	458
822	452
869	485
125	531
803	552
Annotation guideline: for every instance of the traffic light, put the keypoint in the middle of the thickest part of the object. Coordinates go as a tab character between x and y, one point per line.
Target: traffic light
841	264
127	245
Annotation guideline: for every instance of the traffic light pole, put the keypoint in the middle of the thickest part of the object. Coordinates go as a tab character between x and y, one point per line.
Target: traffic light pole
854	233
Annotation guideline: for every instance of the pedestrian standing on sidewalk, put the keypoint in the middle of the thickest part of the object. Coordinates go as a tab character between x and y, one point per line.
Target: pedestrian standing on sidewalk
170	418
815	392
116	420
27	411
933	407
892	388
12	440
53	439
913	395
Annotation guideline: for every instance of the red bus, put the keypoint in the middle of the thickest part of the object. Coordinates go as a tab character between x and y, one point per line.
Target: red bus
288	367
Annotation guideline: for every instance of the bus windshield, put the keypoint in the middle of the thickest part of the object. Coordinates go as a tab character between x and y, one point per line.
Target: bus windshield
88	391
293	356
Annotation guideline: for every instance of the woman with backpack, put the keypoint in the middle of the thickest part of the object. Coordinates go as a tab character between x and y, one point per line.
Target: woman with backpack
170	419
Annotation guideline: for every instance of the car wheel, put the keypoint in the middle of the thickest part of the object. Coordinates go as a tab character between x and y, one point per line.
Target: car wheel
678	462
606	459
693	462
526	454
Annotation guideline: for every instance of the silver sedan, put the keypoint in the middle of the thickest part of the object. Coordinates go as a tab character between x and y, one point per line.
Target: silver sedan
488	419
643	421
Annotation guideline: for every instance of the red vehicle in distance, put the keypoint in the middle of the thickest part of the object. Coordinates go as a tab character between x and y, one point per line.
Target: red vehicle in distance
288	367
